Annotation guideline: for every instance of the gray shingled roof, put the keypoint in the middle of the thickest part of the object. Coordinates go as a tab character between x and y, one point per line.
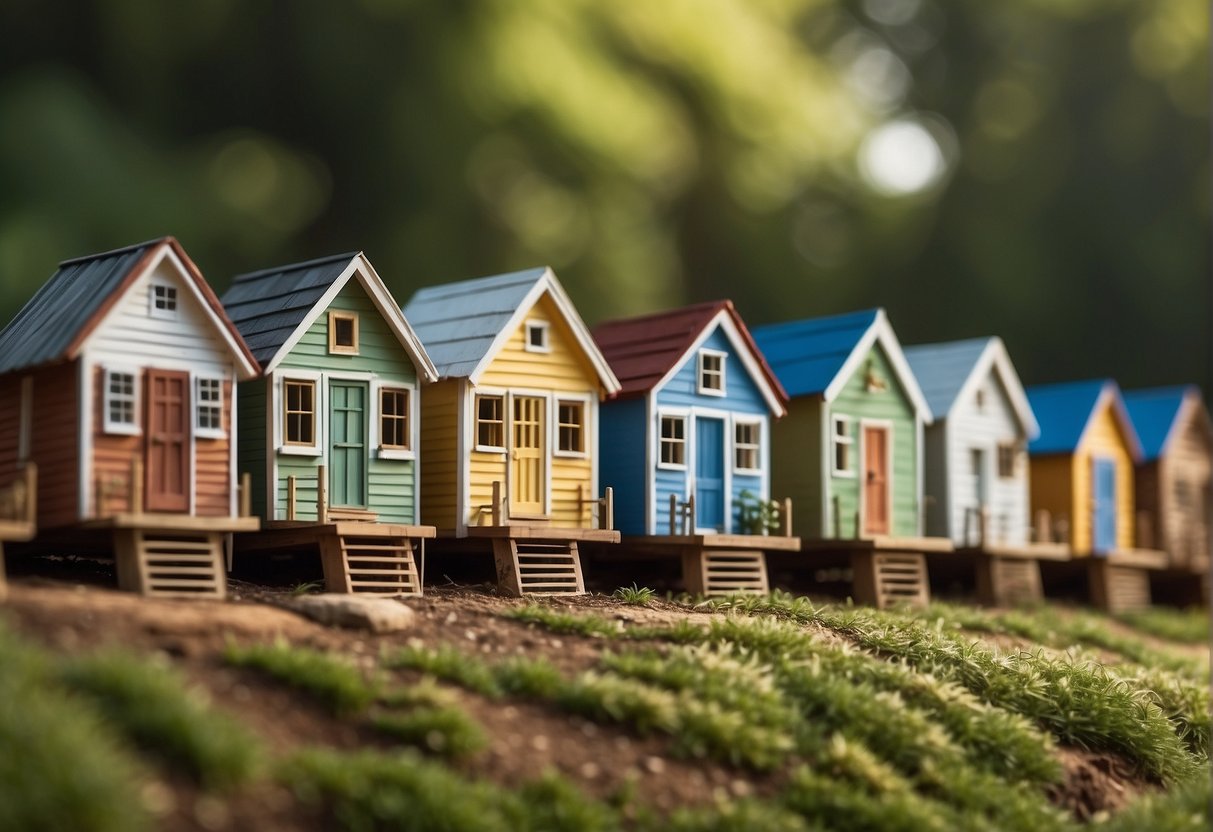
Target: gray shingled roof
943	369
269	305
47	325
458	322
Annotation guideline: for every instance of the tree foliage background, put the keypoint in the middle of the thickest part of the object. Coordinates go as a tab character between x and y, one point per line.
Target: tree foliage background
651	151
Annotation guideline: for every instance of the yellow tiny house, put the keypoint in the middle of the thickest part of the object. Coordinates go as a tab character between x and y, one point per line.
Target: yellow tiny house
1082	465
509	432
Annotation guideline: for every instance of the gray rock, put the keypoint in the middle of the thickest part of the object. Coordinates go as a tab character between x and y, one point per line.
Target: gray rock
359	612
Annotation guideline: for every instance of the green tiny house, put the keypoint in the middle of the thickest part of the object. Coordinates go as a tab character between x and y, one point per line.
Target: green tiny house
339	391
851	445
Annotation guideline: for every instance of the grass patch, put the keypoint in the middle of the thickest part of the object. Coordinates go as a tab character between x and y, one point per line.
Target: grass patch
448	664
638	595
589	626
168	720
330	680
443	730
1186	808
1187	626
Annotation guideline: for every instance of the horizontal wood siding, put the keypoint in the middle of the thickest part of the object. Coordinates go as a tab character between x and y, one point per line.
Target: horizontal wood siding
213	467
391	483
892	405
113	454
1052	480
55	444
985	429
563	369
621	454
796	464
440	425
304	470
1185	492
10	425
251	438
483	469
1103	439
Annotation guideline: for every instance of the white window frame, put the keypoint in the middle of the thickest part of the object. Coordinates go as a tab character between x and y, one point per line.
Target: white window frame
505	420
847	440
121	428
685	418
739	421
318	404
1011	448
171	295
537	326
382	452
199	431
711	391
571	398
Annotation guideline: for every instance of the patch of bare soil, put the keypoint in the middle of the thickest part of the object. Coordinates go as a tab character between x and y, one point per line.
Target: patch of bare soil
1096	783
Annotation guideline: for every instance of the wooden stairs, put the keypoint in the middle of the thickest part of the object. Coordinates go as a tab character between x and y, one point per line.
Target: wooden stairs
886	579
717	572
171	564
538	567
1007	581
372	560
1118	589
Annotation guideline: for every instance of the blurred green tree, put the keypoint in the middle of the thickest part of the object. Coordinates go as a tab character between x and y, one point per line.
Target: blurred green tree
1038	170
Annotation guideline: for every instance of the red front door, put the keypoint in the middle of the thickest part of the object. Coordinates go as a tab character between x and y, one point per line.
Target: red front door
876	480
168	441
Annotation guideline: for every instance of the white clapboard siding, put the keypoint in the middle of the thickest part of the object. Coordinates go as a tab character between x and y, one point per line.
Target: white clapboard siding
968	428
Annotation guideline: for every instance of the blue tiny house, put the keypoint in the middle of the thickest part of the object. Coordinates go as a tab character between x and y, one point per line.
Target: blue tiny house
686	443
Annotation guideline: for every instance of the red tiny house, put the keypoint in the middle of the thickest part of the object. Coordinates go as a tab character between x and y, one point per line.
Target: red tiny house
125	363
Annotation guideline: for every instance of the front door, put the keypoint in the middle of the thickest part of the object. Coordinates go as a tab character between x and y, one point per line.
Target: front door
709	474
876	480
1103	505
168	441
527	465
347	444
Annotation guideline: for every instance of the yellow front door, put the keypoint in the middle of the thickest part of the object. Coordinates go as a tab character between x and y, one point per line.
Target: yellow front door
526	456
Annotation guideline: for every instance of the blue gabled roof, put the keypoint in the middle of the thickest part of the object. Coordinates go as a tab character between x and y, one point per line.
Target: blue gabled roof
267	306
1153	413
807	355
458	322
49	323
943	369
1064	410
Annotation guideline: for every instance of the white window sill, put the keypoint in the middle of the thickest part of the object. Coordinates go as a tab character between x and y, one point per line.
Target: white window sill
488	449
670	466
123	430
846	475
299	450
396	453
748	472
707	391
209	433
571	454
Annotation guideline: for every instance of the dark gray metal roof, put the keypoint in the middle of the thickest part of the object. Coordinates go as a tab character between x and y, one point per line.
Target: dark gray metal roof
269	305
50	322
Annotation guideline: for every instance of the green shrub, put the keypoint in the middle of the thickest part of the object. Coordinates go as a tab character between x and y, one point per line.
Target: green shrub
332	681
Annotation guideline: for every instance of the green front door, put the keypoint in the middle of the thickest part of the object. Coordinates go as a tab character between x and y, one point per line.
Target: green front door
347	444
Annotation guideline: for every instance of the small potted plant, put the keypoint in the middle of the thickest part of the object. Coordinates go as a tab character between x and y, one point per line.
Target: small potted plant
757	516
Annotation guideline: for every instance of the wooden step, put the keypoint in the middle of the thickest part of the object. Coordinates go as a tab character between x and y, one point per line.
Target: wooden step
716	572
170	564
378	564
530	568
1118	589
885	579
1005	582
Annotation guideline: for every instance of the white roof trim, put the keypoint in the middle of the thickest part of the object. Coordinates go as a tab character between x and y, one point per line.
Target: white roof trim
744	353
881	332
370	280
547	282
245	367
1111	391
994	357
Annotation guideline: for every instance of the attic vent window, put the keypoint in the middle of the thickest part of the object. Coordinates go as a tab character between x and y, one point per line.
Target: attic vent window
537	337
163	301
711	372
343	333
980	399
872	382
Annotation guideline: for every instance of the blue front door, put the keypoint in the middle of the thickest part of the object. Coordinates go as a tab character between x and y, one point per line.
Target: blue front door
709	474
1103	519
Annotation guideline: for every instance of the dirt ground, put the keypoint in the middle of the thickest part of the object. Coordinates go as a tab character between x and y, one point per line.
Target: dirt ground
524	738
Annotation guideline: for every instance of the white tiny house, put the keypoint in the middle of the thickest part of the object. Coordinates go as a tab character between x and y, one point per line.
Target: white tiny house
976	480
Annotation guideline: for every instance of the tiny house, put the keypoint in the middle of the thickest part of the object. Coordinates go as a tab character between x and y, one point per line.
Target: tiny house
121	374
1174	500
850	449
1083	487
509	432
976	468
329	431
686	444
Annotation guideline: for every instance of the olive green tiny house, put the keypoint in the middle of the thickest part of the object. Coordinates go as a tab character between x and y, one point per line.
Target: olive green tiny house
849	452
330	428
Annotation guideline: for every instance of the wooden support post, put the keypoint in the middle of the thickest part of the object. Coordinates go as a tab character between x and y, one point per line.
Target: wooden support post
787	516
608	509
694	577
496	513
689	523
322	494
246	495
673	515
31	496
983	525
1044	526
290	497
136	486
1145	530
837	506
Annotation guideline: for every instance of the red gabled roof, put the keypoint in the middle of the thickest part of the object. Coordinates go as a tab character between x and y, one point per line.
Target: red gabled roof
642	350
